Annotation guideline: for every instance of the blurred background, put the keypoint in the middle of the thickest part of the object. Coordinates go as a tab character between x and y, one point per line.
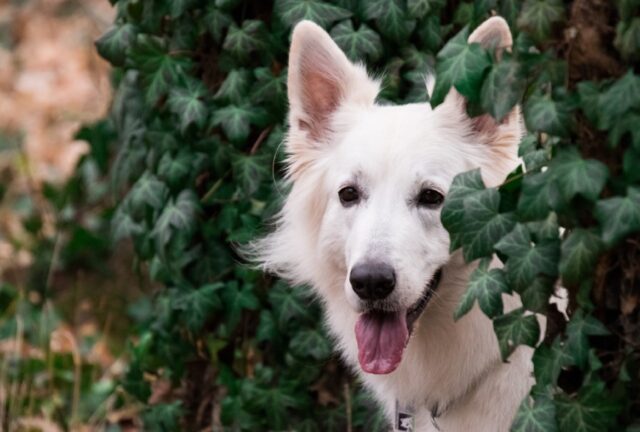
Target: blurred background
63	300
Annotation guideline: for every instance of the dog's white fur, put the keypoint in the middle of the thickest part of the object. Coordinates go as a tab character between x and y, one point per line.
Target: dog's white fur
339	136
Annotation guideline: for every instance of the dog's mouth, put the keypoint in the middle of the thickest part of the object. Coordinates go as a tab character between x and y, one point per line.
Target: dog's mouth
382	335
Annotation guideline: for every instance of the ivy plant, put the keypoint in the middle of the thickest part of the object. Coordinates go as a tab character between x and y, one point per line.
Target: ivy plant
199	113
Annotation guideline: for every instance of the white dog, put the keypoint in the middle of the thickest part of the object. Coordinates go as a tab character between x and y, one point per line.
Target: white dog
362	226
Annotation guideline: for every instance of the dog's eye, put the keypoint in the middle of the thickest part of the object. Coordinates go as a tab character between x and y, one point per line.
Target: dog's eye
348	196
430	198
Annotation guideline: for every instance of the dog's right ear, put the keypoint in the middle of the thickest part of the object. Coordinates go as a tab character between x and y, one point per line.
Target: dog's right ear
501	137
321	80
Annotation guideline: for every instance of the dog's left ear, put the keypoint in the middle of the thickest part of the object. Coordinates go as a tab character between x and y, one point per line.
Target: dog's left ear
321	80
502	136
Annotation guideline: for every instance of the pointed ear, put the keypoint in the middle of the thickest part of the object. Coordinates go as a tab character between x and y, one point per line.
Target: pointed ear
321	80
503	136
494	34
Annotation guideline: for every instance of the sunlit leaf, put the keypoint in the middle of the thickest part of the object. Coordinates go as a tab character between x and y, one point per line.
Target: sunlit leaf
186	102
177	215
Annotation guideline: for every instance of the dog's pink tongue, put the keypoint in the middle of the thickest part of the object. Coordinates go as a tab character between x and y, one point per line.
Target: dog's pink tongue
381	339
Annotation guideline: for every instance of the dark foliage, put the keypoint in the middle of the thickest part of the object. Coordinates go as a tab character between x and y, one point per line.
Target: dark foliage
199	116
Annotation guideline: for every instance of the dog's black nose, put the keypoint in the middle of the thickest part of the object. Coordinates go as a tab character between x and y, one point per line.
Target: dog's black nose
372	280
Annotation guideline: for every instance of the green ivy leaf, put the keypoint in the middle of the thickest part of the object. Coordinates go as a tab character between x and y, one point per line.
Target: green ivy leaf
216	21
420	8
462	66
357	44
323	14
289	303
160	70
509	10
186	102
486	286
515	328
546	229
249	172
622	97
267	327
539	16
236	120
502	89
591	411
227	4
374	9
430	32
626	124
535	296
628	38
310	343
418	60
619	216
179	215
113	45
527	260
280	402
536	195
548	362
471	215
179	7
148	191
535	415
579	255
589	96
123	226
269	88
453	212
235	86
484	225
198	304
235	300
175	169
162	417
243	41
576	175
394	23
543	114
580	326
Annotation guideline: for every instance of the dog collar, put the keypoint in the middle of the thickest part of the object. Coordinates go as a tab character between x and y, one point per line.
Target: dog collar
404	418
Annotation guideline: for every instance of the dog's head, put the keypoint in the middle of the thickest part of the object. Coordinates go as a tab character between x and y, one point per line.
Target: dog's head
369	183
